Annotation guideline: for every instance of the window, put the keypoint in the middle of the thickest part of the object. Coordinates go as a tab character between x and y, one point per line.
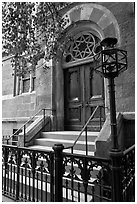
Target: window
24	83
82	46
28	82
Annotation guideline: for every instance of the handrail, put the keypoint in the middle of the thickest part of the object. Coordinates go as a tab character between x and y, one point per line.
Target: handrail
92	116
129	149
71	147
28	122
85	126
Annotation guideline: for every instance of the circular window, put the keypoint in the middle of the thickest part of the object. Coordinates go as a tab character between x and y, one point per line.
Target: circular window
82	46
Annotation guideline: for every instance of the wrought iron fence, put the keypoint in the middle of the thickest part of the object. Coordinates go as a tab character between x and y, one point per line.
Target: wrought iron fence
27	174
86	179
128	179
43	176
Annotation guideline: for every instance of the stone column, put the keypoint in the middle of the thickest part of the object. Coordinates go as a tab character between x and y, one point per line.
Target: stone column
21	85
43	87
31	81
18	85
59	96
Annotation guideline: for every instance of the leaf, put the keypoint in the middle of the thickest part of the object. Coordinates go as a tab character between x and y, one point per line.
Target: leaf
29	30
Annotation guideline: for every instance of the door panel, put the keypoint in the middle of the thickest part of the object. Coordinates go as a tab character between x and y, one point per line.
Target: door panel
96	95
83	92
72	97
73	80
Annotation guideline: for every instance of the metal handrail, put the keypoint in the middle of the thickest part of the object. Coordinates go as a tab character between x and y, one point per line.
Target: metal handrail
71	147
129	149
28	122
92	116
85	126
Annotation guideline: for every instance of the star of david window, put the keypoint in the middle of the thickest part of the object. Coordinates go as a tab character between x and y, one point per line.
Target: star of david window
82	46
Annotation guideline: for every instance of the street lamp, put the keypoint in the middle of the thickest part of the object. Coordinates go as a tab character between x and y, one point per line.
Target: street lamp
111	61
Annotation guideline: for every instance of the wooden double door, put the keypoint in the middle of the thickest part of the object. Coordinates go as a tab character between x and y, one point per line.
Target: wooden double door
83	91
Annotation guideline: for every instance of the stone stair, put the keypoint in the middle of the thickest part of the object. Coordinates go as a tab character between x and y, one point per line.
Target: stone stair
47	140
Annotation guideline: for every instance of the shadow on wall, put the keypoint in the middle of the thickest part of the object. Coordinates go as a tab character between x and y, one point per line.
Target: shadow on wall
125	131
129	130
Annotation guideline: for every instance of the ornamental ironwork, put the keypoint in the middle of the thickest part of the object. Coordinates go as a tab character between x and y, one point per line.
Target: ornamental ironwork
33	175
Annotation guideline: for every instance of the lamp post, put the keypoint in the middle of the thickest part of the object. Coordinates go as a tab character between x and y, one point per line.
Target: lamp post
111	61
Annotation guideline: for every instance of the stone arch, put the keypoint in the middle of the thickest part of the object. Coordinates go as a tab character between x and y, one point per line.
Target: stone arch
97	14
94	17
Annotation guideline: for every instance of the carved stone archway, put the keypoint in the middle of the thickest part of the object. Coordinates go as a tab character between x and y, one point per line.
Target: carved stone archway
96	13
91	16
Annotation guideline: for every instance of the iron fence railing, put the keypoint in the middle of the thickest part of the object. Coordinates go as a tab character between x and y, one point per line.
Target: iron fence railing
43	176
27	174
86	179
128	174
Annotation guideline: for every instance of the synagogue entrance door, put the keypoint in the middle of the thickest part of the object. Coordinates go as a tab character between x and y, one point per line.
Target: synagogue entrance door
83	91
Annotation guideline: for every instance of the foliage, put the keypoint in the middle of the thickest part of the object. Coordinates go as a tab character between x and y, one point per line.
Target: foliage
30	31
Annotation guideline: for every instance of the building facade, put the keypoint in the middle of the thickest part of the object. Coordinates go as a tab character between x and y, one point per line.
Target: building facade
70	86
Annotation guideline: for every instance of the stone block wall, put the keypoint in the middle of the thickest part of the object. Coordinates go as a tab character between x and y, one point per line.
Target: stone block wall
8	125
25	105
43	87
16	111
129	129
125	83
19	106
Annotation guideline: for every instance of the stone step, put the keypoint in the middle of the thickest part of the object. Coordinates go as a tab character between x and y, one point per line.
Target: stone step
71	135
80	145
46	148
67	138
92	128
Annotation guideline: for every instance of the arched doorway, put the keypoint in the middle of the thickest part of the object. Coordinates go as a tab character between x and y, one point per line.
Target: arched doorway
83	87
86	17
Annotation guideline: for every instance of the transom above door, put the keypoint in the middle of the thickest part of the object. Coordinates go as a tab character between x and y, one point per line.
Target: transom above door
83	91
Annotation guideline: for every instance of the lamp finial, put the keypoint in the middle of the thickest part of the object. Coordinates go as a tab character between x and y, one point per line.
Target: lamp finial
108	42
